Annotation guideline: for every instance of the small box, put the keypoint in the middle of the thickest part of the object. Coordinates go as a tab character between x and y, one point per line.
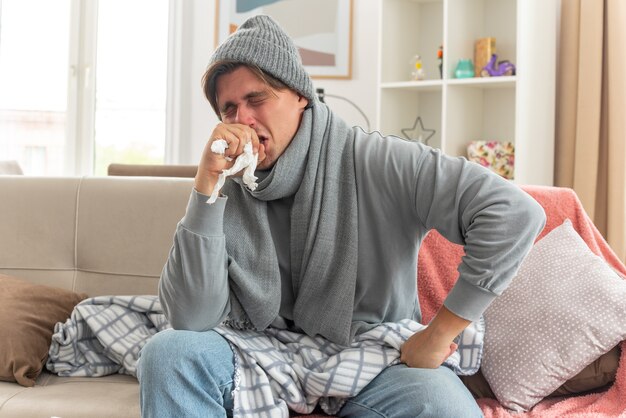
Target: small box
483	49
499	156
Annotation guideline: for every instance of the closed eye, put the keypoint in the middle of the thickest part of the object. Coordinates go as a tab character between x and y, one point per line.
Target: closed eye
257	98
256	102
252	99
227	111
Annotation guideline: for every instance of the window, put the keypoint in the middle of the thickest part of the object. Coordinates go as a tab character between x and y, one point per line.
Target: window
131	82
82	84
34	53
36	158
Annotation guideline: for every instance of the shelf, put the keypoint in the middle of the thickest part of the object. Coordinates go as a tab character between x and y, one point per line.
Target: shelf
437	85
518	108
484	82
417	30
423	85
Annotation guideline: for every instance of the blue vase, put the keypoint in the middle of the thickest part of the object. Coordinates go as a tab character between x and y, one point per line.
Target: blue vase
464	69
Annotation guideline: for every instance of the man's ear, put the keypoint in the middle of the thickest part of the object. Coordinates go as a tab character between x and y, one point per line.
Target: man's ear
303	101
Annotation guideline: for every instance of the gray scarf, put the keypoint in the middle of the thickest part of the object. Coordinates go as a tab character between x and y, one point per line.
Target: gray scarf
317	168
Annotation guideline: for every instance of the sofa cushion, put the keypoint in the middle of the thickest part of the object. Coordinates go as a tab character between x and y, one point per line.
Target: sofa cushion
564	309
72	397
38	227
28	313
124	232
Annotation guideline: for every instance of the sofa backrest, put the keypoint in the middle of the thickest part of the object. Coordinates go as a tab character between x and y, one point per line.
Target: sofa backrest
98	235
152	170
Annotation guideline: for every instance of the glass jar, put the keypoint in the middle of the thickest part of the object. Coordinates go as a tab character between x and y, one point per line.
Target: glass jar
464	69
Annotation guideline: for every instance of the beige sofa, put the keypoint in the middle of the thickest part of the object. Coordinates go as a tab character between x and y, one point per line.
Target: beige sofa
100	236
111	236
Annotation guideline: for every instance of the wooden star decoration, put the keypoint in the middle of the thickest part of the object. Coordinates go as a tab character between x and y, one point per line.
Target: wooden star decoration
422	130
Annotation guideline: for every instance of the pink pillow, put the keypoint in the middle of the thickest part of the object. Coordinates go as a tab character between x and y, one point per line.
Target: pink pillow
564	309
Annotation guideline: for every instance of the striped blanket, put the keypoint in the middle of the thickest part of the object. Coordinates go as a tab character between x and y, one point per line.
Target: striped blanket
276	370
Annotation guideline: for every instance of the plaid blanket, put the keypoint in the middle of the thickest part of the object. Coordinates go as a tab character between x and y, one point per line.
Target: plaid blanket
104	335
278	370
275	370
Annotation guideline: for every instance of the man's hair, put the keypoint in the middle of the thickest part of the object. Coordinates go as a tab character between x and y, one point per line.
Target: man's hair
223	67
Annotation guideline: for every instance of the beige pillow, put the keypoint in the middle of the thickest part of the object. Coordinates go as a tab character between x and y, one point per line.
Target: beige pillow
564	309
28	313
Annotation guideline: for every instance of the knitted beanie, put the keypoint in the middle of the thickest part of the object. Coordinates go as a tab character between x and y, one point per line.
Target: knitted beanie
260	41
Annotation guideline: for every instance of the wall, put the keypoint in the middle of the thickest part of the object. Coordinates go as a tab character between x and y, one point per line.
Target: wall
196	116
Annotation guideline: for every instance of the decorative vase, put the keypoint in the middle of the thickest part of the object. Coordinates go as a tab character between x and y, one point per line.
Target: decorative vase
464	69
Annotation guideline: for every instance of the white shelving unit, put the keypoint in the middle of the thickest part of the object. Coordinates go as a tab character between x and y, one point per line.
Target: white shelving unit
517	108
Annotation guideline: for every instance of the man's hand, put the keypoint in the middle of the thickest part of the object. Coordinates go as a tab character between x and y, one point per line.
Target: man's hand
212	164
430	347
423	350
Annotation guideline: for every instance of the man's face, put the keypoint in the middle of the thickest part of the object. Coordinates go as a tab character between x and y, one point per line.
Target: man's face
273	114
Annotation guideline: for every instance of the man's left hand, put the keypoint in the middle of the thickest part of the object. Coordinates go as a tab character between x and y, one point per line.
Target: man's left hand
423	350
430	347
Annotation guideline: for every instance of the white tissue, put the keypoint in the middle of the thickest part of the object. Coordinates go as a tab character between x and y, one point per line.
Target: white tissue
219	146
246	161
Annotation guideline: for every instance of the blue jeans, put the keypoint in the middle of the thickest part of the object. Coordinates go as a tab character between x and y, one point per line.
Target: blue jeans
190	374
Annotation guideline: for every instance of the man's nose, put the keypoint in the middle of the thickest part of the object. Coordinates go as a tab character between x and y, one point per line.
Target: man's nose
244	116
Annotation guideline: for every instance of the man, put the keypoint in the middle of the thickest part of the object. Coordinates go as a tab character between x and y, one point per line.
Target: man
325	247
